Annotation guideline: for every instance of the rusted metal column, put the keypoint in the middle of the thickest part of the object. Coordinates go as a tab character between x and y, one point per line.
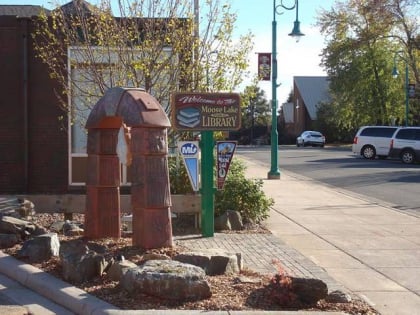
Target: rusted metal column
102	216
150	189
150	192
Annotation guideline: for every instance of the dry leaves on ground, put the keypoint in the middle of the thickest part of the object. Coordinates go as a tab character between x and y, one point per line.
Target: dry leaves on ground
247	291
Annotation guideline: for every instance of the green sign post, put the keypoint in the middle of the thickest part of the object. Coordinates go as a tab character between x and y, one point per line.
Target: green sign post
206	112
207	184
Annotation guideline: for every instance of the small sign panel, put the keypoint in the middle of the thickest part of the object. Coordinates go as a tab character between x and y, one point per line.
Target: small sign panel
412	90
190	152
225	150
206	111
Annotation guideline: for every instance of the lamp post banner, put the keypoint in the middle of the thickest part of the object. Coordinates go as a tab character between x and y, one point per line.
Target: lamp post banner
206	111
225	150
264	66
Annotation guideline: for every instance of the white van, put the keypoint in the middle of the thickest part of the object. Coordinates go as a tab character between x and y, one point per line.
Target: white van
405	145
373	141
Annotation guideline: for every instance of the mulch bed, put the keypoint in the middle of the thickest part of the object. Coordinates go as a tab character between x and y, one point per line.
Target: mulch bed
256	292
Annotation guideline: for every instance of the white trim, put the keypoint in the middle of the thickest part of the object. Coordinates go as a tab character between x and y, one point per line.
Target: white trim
69	155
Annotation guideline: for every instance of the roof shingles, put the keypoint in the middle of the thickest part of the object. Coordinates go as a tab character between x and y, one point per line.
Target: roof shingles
313	90
21	10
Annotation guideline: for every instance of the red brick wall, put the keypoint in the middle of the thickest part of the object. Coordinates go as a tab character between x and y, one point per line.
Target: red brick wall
33	146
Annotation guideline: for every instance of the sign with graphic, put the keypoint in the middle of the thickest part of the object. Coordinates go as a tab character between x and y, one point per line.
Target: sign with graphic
264	66
206	111
191	153
225	150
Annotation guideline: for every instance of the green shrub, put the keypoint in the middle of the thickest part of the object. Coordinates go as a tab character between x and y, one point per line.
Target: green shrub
243	195
239	193
178	177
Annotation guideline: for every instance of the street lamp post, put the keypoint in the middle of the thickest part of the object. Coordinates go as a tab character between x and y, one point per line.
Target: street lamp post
395	74
274	172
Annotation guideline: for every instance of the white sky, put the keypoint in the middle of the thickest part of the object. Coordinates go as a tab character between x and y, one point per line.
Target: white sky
294	59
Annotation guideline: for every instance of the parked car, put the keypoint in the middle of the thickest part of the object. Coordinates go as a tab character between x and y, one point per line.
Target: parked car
309	137
373	141
405	145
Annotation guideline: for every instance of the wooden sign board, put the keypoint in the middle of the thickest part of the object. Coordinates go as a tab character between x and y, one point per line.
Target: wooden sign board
206	111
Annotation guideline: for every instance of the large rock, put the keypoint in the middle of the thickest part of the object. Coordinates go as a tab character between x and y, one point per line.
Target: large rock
8	240
230	220
12	225
309	290
338	296
222	223
40	248
72	229
16	207
167	279
213	261
79	263
117	269
26	208
235	220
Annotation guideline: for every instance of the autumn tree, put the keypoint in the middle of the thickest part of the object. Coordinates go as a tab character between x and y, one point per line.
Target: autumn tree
161	46
361	40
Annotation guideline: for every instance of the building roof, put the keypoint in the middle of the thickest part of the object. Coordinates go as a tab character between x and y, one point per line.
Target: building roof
21	10
313	90
288	112
76	7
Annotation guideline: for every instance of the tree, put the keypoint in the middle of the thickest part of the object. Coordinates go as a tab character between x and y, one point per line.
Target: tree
156	45
362	37
255	111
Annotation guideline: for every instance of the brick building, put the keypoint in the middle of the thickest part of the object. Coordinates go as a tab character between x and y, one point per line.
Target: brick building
33	144
37	155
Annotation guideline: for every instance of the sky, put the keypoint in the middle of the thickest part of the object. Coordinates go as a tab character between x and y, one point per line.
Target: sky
256	16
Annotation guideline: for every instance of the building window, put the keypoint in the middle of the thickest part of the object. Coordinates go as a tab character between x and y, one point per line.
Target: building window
85	93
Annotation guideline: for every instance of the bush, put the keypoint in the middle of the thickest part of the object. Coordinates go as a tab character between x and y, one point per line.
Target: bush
239	193
243	195
178	177
280	287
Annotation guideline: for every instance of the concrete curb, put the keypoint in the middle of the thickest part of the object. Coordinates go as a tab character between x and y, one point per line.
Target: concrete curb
72	298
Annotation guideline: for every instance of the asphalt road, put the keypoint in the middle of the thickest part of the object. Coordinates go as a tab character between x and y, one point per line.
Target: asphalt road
387	181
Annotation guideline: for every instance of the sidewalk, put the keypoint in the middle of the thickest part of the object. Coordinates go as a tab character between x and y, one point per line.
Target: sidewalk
350	243
372	250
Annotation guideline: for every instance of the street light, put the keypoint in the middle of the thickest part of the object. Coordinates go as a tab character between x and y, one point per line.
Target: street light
395	74
274	172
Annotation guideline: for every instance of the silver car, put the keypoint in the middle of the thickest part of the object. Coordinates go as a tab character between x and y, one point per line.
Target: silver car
312	138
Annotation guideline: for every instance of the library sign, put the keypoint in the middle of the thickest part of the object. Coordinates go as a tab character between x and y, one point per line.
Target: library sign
206	111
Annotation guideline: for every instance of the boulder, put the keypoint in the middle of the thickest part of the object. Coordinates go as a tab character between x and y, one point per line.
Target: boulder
213	261
40	248
222	223
308	290
117	269
338	296
57	226
8	240
79	263
154	256
72	229
230	220
235	220
167	279
12	225
25	208
16	207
